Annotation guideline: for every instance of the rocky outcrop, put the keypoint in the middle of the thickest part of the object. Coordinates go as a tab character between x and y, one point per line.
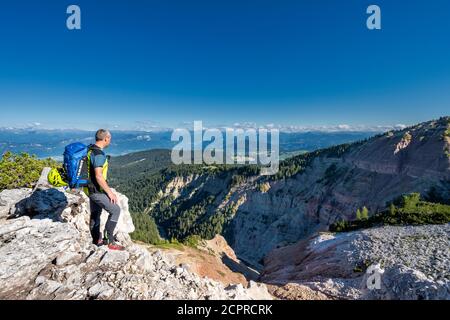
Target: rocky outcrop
414	261
46	253
404	143
333	187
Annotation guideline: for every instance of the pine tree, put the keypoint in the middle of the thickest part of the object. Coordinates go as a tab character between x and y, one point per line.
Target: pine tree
364	214
358	214
392	209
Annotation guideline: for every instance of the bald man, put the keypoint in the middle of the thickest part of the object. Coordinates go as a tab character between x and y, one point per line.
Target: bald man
100	194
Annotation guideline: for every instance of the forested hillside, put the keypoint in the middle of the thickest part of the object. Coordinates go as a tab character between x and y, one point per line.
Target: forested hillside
310	192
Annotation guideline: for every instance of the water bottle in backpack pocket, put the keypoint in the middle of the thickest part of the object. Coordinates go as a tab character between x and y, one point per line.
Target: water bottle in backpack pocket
76	165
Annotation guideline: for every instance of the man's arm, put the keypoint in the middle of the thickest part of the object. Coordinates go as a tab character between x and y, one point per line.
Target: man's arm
104	185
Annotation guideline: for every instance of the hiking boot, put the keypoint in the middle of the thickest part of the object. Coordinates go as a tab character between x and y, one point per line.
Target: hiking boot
115	246
100	243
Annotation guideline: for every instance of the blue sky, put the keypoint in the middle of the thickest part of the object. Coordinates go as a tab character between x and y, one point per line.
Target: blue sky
161	63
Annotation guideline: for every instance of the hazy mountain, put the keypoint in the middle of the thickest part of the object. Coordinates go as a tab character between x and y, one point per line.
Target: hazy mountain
51	143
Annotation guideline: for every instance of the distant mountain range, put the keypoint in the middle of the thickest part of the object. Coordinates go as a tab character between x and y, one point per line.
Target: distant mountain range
51	143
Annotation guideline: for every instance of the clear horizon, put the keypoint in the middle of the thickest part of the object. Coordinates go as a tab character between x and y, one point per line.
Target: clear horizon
286	129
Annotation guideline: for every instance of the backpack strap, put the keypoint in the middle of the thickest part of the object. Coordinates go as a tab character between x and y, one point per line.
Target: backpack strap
93	187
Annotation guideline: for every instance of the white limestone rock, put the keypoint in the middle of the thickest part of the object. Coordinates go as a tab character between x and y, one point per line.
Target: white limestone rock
47	253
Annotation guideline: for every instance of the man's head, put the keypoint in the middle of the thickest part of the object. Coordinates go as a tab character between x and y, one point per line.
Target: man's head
102	138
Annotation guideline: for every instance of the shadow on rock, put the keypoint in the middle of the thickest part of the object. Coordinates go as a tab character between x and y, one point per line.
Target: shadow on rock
42	204
239	267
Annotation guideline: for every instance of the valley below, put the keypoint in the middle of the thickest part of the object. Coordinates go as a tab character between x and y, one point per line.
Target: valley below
259	216
312	231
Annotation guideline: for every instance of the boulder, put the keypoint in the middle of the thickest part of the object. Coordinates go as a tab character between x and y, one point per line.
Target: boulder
46	252
9	199
125	224
114	258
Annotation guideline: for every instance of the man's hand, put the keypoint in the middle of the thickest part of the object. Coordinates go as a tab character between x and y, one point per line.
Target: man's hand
112	197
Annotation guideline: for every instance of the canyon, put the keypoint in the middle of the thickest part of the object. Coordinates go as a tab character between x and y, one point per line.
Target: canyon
262	214
264	237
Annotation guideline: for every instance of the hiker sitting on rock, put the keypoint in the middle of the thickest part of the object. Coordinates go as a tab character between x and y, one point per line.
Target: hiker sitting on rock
100	194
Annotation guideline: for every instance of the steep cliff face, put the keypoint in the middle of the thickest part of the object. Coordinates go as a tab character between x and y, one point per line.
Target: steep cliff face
261	214
369	174
414	152
46	253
